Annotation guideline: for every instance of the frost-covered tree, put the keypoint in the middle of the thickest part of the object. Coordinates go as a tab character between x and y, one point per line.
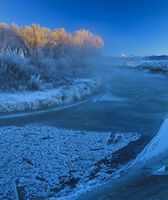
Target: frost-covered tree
31	40
30	52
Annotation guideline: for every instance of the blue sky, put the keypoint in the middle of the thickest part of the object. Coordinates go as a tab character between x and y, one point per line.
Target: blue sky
138	27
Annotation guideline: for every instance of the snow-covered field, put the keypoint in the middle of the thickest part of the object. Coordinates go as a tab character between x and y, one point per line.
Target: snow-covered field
24	101
41	162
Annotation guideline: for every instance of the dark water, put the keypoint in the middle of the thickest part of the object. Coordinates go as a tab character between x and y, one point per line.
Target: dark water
144	112
141	107
140	185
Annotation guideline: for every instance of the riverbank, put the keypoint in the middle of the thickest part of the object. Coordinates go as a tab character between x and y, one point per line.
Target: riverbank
139	181
29	101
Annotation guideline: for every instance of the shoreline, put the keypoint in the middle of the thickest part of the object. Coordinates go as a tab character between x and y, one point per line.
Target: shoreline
138	176
41	100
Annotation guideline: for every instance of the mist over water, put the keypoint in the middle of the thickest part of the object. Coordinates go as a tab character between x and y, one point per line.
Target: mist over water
127	100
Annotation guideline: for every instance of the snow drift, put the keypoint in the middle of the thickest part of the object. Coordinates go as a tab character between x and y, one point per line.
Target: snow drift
156	151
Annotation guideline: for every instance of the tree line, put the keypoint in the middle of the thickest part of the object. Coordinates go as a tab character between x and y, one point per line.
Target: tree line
34	57
35	40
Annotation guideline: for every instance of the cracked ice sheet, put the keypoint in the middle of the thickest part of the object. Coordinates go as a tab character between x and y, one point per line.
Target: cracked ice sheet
42	162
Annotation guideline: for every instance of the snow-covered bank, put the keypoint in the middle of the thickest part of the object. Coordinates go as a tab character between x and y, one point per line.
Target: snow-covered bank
153	66
12	102
157	150
162	171
40	162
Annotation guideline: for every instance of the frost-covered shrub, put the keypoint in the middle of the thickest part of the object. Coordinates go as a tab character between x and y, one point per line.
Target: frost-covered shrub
35	82
18	73
14	71
54	70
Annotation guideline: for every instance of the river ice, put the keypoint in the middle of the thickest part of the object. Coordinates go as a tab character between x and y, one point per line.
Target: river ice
42	162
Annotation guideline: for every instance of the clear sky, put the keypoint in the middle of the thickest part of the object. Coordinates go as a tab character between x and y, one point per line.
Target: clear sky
138	27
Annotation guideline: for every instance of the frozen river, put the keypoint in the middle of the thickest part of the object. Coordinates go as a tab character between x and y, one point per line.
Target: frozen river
129	101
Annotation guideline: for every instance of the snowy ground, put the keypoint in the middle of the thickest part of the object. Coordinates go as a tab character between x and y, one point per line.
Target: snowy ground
40	162
11	102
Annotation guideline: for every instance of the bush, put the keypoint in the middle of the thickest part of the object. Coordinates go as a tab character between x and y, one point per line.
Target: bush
35	83
14	71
